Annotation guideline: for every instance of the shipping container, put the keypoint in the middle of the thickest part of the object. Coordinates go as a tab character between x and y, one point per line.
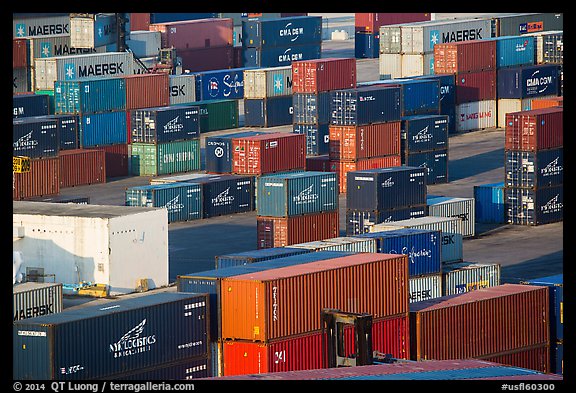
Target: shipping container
20	53
46	25
220	84
57	45
94	30
365	105
49	347
80	200
268	82
341	243
518	24
343	167
390	64
424	132
318	75
33	299
144	43
529	81
418	96
489	203
82	167
476	115
534	169
366	45
557	358
182	88
458	278
435	161
360	221
535	358
21	80
318	163
191	368
446	206
529	206
35	137
253	256
217	115
27	105
555	285
152	159
547	102
367	141
534	130
89	95
476	86
206	59
278	56
116	160
482	323
164	17
194	33
548	46
42	180
371	22
424	287
51	102
218	151
509	105
317	139
311	108
155	85
278	32
417	65
164	124
513	51
106	128
465	56
268	112
186	177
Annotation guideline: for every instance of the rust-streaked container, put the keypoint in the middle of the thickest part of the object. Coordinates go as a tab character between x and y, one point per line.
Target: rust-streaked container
476	86
268	153
42	180
116	160
283	231
343	167
372	140
283	302
533	358
195	33
80	167
147	90
547	102
534	129
139	21
19	53
488	321
318	75
464	56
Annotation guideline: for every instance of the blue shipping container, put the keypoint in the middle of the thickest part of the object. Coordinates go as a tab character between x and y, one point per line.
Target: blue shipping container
164	124
100	129
360	221
435	161
89	95
317	137
365	105
182	200
35	137
196	367
253	256
366	45
277	56
419	96
424	132
218	152
125	335
220	84
27	105
105	32
421	245
528	206
541	168
277	32
489	203
557	358
556	297
268	112
528	81
311	108
68	126
513	51
226	194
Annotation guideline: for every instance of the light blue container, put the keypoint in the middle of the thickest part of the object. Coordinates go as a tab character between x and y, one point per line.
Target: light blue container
489	203
89	95
512	51
100	129
253	256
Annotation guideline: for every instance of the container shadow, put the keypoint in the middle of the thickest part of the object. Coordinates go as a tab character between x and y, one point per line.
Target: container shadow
546	265
474	165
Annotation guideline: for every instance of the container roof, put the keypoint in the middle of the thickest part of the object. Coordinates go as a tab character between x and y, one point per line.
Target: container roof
77	210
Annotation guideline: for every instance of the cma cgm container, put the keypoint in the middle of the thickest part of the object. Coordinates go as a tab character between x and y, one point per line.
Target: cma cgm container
365	105
93	31
253	256
529	81
126	335
155	85
196	33
268	82
268	153
476	115
283	291
279	32
34	299
465	56
106	128
220	84
343	167
367	141
314	76
534	206
218	152
164	124
268	112
534	169
445	206
534	130
278	56
489	203
292	194
476	86
151	159
82	167
30	104
311	108
182	200
284	231
428	286
360	221
182	88
488	321
317	138
35	137
555	285
513	51
42	180
89	96
464	277
424	132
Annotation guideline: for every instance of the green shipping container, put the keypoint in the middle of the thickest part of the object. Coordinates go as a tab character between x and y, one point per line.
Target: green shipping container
218	114
148	159
50	94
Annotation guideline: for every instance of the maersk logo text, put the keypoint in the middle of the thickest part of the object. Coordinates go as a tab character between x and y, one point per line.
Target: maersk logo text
114	68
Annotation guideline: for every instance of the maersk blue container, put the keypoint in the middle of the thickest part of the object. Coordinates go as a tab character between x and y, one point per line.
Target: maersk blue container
419	96
423	132
365	105
162	17
35	137
104	340
421	245
182	200
218	151
528	81
253	256
513	51
297	193
277	32
209	281
105	30
220	84
534	169
317	137
386	188
529	206
27	105
556	297
489	203
196	367
366	45
89	95
164	124
98	129
277	56
311	108
268	112
435	161
360	221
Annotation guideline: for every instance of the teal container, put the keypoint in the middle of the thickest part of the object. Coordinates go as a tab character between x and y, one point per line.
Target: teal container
513	51
152	159
89	95
489	203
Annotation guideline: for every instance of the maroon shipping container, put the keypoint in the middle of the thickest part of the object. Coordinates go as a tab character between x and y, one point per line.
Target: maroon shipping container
318	163
371	22
237	58
343	167
268	153
536	358
317	75
19	53
42	180
207	59
147	90
464	56
283	231
139	21
373	140
196	33
475	86
485	322
80	167
534	129
116	160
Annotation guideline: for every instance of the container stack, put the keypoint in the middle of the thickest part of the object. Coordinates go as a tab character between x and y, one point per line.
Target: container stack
218	153
465	277
444	206
226	84
534	166
21	65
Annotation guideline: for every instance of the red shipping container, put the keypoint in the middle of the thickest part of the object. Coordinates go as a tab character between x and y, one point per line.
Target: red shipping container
206	59
488	321
475	86
343	167
287	301
305	352
139	21
373	140
42	180
116	161
268	153
19	53
547	102
147	90
534	129
281	231
318	75
464	56
196	33
318	163
371	22
537	358
80	167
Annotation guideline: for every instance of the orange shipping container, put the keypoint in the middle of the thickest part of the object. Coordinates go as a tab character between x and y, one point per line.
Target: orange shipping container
373	140
343	167
19	53
284	302
42	180
547	102
147	90
80	167
535	358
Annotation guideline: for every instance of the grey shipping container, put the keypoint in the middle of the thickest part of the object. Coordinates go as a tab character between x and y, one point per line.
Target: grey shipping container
58	45
528	22
424	287
182	89
125	335
33	299
341	243
40	25
465	277
445	206
21	80
268	82
360	221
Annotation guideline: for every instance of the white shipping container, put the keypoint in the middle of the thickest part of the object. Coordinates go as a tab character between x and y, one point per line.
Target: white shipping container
179	178
93	31
425	287
509	105
237	36
442	206
268	82
112	245
390	39
414	65
465	277
391	64
342	243
33	299
539	48
93	65
144	43
54	46
182	89
476	115
44	26
21	83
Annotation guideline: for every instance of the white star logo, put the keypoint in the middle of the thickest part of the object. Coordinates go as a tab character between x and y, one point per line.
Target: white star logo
20	30
278	84
45	50
100	32
70	72
434	38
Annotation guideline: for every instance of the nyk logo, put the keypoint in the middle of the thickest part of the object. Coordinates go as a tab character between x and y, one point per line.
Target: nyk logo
552	169
173	126
173	205
223	198
552	206
306	196
25	142
422	136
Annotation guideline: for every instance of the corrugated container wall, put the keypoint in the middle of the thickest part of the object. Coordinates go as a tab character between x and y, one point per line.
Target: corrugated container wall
365	105
555	285
164	124
371	22
21	80
476	115
314	76
268	82
57	45
464	277
418	96
424	132
353	244
264	254
30	104
435	161
195	34
360	221
278	56
155	86
144	43
20	57
343	167
534	129
528	22
476	86
32	299
464	56
529	81
317	139
106	128
116	160
218	152
311	108
82	167
93	31
443	206
218	114
42	180
428	286
220	84
206	59
367	141
192	368
182	88
298	30
35	137
534	169
40	25
89	96
148	159
536	358
489	203
515	51
268	112
529	206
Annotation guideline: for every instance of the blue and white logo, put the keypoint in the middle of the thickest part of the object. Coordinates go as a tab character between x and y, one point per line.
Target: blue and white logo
278	84
434	38
45	50
69	71
20	30
432	65
213	87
